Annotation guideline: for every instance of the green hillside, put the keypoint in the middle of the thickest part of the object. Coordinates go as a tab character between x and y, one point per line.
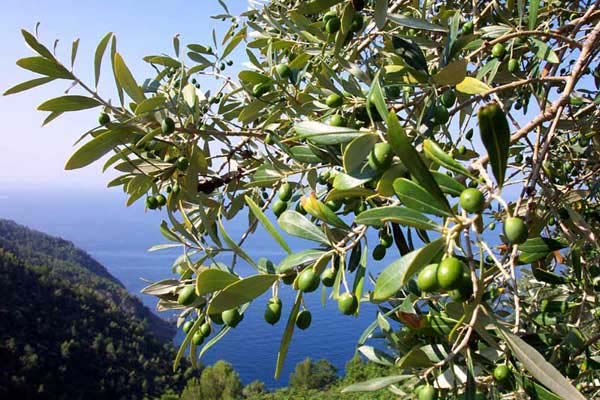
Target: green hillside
63	260
70	330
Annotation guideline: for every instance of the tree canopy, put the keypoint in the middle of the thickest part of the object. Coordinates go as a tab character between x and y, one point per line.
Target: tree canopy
375	127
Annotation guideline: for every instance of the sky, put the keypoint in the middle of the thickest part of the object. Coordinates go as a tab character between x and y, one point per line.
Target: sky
35	156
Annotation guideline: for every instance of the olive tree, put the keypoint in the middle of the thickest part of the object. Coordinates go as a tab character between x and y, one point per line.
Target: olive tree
375	127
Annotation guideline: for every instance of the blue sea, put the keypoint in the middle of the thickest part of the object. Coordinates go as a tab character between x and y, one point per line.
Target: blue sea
119	237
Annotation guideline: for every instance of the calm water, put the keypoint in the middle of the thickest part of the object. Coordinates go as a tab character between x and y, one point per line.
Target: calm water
119	237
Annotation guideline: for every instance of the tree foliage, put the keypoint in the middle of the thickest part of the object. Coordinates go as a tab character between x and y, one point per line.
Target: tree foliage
327	384
313	375
217	382
355	118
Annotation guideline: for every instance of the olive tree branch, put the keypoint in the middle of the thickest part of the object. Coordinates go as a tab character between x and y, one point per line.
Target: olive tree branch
586	54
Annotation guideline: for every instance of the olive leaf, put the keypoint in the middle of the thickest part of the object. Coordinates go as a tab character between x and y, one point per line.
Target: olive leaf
212	279
357	151
397	274
376	97
21	87
298	225
415	23
298	259
150	104
319	133
99	54
319	210
97	147
541	369
69	103
448	184
377	356
536	248
234	246
435	153
495	135
287	335
413	162
43	66
381	11
399	215
418	198
451	74
262	218
375	384
471	85
241	292
126	79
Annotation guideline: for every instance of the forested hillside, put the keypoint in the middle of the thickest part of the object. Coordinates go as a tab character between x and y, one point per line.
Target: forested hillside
70	330
63	260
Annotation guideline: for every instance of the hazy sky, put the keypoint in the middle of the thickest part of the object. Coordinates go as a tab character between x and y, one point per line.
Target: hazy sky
35	156
31	155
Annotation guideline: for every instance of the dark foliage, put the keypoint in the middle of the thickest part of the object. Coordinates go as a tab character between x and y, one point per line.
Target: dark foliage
65	333
60	259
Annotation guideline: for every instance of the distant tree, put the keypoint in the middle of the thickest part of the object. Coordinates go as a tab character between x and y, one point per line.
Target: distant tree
192	390
254	389
313	375
217	382
358	370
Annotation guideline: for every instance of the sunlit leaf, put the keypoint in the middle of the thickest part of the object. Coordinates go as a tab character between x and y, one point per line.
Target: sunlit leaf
36	45
212	279
318	209
399	215
97	147
471	85
126	80
241	292
397	274
319	133
163	287
377	356
69	103
541	369
150	104
43	66
411	159
262	218
376	383
287	335
298	225
99	54
27	85
418	198
300	258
